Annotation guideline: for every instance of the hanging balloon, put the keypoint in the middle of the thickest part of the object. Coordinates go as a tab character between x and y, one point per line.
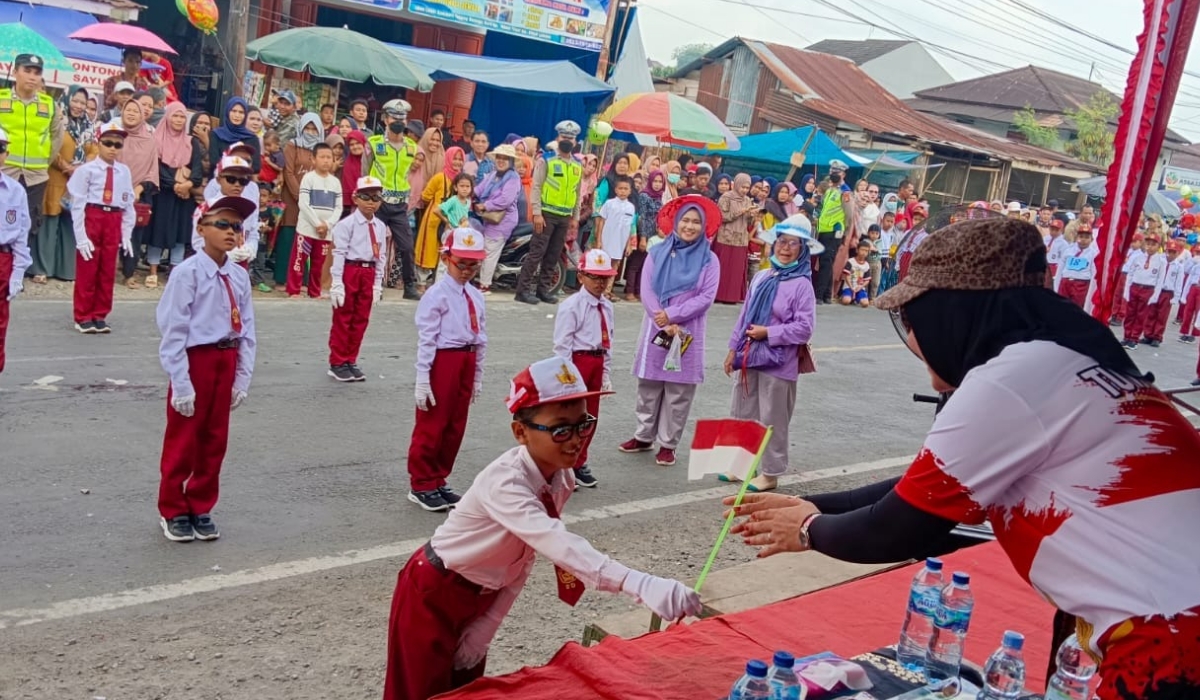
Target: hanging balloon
1185	191
202	14
1185	204
181	5
599	132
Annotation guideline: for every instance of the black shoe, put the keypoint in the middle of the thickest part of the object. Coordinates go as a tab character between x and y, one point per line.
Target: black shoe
87	327
410	292
178	529
1144	341
1130	345
548	298
1196	382
432	501
1187	338
205	528
341	373
102	327
358	373
583	477
1154	343
526	298
449	496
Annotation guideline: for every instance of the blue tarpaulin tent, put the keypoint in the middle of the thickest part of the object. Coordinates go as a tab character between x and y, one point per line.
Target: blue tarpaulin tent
56	24
517	96
778	146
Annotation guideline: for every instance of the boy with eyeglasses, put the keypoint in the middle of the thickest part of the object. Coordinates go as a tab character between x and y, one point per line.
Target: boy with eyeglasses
455	591
102	210
359	256
232	180
451	345
583	334
206	317
15	258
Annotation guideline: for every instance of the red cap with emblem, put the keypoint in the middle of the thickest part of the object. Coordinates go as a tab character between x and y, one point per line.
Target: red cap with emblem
548	381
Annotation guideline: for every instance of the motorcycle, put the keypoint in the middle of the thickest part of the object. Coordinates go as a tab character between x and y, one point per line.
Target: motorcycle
508	268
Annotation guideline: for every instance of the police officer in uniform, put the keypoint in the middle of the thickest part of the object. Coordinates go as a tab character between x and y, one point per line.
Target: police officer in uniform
555	201
35	130
389	156
832	223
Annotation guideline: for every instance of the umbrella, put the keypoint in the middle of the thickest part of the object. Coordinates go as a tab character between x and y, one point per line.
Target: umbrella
670	119
122	36
1160	202
339	53
1093	186
16	39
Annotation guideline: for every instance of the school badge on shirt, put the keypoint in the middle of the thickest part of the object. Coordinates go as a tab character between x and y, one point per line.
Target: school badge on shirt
10	216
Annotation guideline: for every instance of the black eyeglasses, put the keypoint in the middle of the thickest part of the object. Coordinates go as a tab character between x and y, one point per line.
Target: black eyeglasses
223	225
243	181
465	264
562	433
113	144
369	197
3	148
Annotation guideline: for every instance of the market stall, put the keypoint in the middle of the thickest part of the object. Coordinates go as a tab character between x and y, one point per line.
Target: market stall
703	659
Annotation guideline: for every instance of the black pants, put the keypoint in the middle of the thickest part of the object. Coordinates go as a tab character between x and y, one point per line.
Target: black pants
825	273
396	218
139	236
545	249
33	197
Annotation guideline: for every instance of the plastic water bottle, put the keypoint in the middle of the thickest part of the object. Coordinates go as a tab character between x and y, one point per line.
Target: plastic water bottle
782	678
1004	673
950	625
923	600
753	685
1075	671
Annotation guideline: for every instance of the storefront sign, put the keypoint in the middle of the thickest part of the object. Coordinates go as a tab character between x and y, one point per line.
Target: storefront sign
576	23
1174	178
87	74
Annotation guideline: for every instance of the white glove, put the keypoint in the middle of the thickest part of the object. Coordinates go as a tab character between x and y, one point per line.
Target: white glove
378	295
473	645
184	405
606	383
670	599
477	392
337	295
424	395
127	245
15	287
86	249
243	253
1125	296
236	399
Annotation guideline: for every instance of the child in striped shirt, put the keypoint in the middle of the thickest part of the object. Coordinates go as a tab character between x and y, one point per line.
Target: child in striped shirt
320	205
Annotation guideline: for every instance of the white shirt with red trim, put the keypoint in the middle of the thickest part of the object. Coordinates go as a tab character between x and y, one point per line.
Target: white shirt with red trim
1090	480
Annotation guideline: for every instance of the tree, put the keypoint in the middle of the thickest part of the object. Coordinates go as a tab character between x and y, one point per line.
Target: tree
1093	140
687	53
1026	122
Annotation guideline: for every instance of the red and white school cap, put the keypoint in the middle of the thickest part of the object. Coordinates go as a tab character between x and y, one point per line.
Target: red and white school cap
238	163
598	263
368	183
110	129
548	381
466	243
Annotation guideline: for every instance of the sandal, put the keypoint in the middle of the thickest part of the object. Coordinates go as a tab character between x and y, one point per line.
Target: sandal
151	281
132	283
39	279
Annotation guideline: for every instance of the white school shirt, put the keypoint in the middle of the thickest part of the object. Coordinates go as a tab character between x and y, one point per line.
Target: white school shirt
352	241
1056	250
1191	276
444	321
212	192
14	228
884	245
195	310
618	226
577	326
1173	281
1150	274
1077	264
86	186
320	202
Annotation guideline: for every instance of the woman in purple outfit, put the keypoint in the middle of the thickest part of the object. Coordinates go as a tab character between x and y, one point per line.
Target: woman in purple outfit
679	284
497	195
777	320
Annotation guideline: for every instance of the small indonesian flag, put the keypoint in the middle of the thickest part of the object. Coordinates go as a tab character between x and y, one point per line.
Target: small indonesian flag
725	446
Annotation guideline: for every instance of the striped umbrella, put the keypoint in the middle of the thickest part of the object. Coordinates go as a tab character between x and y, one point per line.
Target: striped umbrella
671	119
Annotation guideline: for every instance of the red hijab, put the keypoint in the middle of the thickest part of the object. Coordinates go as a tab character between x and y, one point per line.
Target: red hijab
448	168
352	168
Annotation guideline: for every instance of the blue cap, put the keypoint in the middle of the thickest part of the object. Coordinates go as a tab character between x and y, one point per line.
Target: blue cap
961	578
933	564
784	660
756	668
1013	640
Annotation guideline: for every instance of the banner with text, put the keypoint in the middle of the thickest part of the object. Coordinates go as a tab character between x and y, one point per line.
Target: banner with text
576	23
1175	178
87	74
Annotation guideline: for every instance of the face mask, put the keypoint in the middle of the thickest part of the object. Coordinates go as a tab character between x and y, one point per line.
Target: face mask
673	179
396	127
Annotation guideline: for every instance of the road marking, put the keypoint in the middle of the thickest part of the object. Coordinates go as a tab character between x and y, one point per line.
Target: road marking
107	602
860	348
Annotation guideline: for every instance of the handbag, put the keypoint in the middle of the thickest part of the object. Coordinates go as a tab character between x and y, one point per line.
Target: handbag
144	213
493	217
752	354
807	365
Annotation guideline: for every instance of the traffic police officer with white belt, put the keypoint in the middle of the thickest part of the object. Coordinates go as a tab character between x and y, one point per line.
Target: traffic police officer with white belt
35	131
555	201
389	157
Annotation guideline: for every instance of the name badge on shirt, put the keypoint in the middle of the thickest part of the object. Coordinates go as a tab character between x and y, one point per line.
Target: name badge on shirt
42	110
1077	264
381	149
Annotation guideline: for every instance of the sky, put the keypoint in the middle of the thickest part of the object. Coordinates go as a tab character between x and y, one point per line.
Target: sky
972	37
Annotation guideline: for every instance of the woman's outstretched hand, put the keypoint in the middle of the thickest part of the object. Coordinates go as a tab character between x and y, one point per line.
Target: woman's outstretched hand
772	521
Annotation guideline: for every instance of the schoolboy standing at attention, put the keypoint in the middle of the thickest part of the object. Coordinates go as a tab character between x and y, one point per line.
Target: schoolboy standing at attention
451	345
102	209
359	256
1190	293
455	591
206	318
1147	273
1120	306
232	180
1172	291
14	241
583	334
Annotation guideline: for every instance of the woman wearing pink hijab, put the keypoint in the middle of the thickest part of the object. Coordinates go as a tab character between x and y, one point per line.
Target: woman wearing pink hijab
171	228
790	207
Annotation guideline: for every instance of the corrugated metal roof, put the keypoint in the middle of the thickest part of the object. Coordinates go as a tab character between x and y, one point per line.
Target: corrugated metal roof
858	51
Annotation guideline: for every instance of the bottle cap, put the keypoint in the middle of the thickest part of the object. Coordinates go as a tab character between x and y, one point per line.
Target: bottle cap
756	668
933	564
1013	640
784	660
961	578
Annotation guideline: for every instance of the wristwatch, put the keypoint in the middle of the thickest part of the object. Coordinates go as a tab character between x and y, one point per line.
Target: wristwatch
805	540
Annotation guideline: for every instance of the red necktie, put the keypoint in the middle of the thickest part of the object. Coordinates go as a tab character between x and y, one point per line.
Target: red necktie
235	315
375	241
471	313
570	589
108	185
605	339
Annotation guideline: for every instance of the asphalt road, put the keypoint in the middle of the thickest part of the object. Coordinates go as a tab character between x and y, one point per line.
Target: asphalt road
292	601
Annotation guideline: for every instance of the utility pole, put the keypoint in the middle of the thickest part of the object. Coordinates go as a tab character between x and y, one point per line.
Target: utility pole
1091	71
239	20
606	47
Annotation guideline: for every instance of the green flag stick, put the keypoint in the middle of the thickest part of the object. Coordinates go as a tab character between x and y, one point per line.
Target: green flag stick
712	556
